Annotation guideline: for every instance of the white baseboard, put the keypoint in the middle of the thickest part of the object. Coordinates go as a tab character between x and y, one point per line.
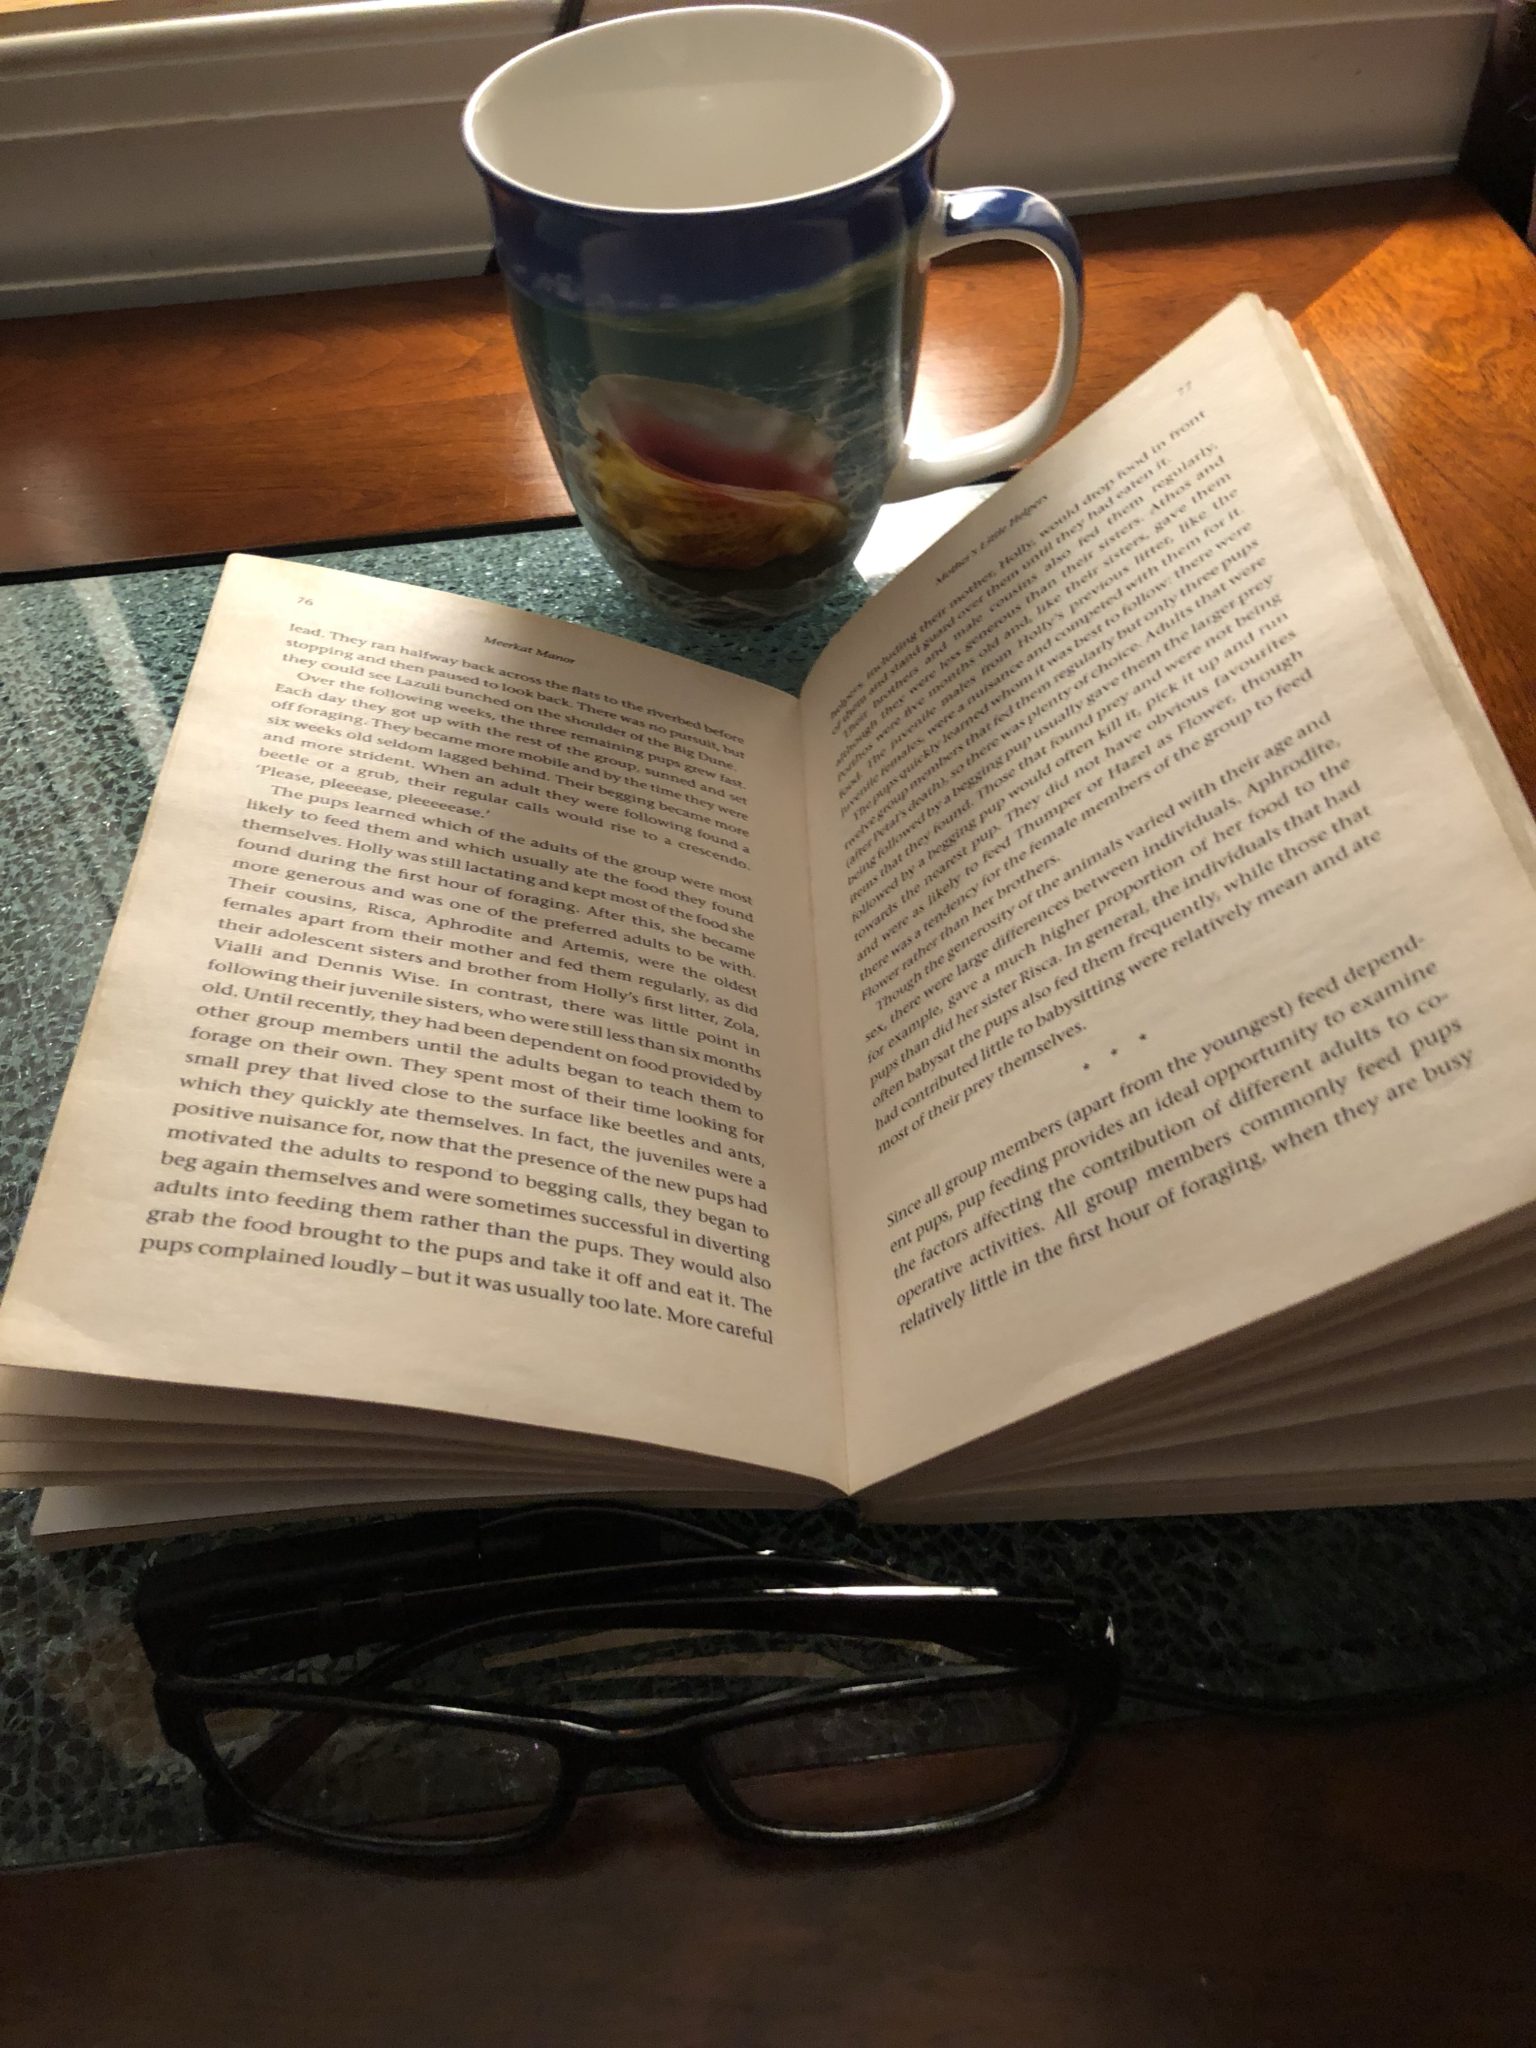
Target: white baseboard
240	280
227	155
1251	184
408	266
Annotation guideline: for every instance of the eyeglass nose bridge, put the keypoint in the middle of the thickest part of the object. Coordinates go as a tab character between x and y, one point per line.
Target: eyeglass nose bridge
683	1758
688	1760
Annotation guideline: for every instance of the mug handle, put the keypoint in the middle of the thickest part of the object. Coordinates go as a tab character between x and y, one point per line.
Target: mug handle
1004	213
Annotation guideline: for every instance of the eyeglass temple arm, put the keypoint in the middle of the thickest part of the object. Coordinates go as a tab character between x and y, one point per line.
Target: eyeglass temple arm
272	1596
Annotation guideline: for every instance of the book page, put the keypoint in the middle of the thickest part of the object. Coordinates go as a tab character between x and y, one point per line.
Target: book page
456	1043
1176	966
69	1516
1468	1447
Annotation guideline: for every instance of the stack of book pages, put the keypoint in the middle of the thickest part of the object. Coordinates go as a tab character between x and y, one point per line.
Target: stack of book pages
1076	1059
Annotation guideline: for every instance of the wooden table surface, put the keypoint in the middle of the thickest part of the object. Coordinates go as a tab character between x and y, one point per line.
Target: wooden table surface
1209	1884
329	416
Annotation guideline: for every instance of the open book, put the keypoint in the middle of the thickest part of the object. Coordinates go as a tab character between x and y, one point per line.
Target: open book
1075	1059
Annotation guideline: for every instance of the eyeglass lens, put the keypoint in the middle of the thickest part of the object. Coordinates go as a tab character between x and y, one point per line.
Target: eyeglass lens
847	1766
383	1779
836	1766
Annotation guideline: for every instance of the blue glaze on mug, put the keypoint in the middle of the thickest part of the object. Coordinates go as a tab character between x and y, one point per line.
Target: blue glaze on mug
725	398
1008	210
724	387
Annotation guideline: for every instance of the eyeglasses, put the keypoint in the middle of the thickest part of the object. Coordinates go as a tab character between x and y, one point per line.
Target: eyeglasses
795	1708
790	1713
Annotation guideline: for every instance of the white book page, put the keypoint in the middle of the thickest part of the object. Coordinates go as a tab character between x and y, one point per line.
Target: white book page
455	1046
70	1516
1175	964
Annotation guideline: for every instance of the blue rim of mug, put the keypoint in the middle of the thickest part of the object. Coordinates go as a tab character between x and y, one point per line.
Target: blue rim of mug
929	136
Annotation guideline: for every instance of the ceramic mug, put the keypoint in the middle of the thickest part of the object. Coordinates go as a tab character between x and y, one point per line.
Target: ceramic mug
714	225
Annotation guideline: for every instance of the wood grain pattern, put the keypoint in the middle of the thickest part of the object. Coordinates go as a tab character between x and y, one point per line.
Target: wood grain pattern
193	429
332	415
185	430
1151	278
1213	1886
1430	341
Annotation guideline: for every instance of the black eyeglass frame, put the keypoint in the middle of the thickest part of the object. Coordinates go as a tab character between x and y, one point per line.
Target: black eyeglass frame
1021	1639
229	1610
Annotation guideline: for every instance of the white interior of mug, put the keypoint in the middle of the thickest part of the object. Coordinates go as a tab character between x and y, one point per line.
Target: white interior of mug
697	109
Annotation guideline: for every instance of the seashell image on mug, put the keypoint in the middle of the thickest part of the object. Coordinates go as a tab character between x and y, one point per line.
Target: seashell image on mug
701	478
714	226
